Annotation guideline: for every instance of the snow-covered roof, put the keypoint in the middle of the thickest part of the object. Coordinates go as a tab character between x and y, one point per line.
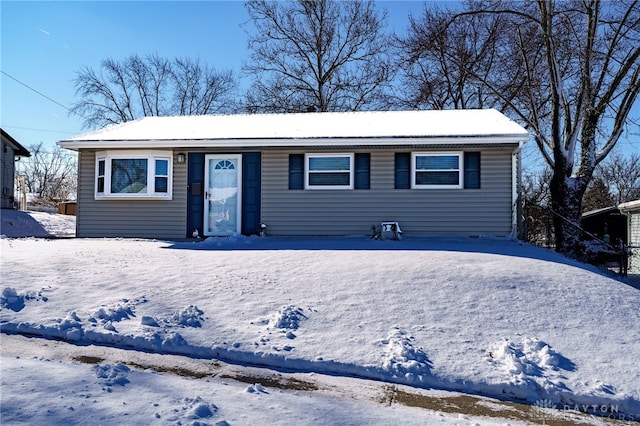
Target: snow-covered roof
599	211
630	205
309	129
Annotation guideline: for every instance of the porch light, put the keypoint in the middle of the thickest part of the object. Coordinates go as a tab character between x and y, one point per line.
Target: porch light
181	158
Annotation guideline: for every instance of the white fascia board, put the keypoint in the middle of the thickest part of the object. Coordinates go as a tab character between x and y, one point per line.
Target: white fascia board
629	205
293	143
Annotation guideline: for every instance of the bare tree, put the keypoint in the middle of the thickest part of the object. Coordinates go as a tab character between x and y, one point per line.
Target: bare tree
151	78
201	89
535	187
443	62
622	176
151	86
323	55
570	71
52	175
597	196
536	221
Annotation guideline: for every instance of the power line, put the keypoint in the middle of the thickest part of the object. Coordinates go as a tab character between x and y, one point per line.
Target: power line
36	91
38	130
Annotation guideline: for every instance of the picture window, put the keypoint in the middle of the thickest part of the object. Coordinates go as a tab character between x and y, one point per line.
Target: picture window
133	175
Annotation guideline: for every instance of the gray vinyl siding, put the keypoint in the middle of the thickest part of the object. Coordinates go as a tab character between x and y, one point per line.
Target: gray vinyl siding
634	241
129	218
6	176
485	211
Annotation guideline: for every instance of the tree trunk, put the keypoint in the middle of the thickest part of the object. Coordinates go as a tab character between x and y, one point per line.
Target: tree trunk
566	202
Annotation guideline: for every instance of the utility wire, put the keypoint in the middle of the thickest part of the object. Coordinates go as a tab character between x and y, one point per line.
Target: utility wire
34	90
38	130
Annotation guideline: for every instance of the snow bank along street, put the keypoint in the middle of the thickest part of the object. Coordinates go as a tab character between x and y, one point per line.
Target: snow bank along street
480	316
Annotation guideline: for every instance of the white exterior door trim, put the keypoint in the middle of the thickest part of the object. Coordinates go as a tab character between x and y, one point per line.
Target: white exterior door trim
222	205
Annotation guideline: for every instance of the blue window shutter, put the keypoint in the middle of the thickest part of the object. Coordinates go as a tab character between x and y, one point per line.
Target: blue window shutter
195	197
251	190
472	170
362	171
296	171
403	170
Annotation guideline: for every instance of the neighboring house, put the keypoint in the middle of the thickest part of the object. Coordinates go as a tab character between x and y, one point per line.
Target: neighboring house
607	224
10	152
632	210
451	172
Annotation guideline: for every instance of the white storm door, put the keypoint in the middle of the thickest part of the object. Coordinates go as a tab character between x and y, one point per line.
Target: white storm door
222	197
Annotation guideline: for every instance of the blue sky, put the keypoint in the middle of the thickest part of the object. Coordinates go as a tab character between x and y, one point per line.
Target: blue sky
44	44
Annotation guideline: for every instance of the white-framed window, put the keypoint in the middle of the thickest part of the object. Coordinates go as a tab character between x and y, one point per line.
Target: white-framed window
134	175
329	171
437	170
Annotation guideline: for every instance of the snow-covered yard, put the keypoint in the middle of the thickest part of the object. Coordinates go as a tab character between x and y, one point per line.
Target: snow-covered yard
486	317
15	223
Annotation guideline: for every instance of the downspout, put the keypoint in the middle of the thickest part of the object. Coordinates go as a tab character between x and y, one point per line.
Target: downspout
516	181
627	249
626	210
627	219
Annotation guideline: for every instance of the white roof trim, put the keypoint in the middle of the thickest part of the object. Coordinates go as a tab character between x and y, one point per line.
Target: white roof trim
284	143
382	128
630	205
598	211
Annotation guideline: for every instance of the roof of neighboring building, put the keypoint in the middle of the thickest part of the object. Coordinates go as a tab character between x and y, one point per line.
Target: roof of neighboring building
18	149
308	129
611	209
630	205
